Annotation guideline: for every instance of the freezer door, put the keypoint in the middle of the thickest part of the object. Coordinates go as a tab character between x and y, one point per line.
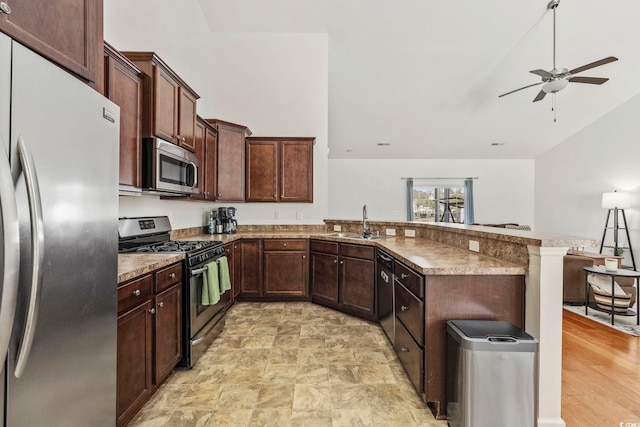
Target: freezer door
69	377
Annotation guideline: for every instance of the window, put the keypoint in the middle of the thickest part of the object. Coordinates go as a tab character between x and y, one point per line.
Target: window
430	202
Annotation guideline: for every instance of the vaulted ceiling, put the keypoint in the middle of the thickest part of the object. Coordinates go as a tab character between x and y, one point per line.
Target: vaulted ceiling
424	76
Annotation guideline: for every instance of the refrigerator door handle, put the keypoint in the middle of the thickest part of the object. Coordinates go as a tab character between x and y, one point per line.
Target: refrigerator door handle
11	249
37	255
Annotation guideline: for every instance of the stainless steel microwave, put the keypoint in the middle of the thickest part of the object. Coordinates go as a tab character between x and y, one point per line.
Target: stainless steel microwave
168	168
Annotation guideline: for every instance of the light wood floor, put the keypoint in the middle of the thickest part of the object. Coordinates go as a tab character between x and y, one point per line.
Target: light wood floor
600	375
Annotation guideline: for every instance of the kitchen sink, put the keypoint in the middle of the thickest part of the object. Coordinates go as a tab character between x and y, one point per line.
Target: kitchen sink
356	236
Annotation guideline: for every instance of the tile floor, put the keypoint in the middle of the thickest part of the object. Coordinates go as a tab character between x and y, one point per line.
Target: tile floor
291	364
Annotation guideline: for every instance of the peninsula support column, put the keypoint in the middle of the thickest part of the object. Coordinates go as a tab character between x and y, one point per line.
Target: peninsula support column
543	320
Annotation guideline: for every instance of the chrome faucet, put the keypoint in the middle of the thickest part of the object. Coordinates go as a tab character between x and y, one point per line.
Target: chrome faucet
365	229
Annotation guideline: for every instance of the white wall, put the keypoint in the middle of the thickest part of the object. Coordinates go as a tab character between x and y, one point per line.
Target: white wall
503	191
276	84
571	178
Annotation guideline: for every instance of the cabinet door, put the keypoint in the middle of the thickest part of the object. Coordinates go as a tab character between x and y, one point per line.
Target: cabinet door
165	105
210	163
124	87
262	171
68	32
285	273
357	286
237	270
187	120
251	268
231	177
324	277
135	348
199	142
296	171
168	330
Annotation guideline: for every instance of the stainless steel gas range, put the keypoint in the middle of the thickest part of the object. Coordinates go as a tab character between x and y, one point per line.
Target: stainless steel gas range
202	323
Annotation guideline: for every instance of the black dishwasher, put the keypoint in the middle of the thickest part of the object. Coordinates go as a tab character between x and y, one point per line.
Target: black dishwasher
384	283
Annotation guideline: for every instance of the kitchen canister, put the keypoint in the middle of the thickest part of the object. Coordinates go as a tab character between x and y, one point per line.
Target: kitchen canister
611	264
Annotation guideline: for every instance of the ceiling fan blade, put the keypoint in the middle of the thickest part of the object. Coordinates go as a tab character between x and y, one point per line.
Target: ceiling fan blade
590	80
539	96
516	90
542	73
593	64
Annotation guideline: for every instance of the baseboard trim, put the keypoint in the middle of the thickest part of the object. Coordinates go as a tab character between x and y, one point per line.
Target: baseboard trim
551	422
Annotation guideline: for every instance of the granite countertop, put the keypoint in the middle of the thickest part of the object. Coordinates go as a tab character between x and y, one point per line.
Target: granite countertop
423	255
131	266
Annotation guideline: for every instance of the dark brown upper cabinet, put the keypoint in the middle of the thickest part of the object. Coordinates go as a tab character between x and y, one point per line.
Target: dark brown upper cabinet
123	86
67	32
231	160
169	107
207	152
279	169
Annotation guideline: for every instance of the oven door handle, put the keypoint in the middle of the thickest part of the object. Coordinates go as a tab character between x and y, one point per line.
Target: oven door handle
198	271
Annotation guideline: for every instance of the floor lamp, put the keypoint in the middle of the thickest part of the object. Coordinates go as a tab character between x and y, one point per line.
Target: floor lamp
617	202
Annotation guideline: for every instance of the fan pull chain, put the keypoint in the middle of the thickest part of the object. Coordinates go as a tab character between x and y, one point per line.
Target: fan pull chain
553	106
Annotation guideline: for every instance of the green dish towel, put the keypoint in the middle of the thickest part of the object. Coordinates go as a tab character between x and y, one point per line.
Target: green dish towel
223	271
210	285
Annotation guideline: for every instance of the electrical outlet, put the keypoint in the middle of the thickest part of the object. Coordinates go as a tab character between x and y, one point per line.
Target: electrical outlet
474	245
277	215
390	232
410	233
298	215
337	228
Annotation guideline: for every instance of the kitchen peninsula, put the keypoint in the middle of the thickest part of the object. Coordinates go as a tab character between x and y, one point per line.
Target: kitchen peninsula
441	250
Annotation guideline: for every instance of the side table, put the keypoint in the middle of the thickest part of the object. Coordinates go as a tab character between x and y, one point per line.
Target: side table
600	269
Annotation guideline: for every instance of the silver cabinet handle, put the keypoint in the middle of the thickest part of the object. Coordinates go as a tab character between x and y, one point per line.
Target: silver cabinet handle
404	276
335	261
161	304
275	197
5	8
341	262
37	255
285	245
405	350
11	252
172	275
136	293
304	256
152	311
404	308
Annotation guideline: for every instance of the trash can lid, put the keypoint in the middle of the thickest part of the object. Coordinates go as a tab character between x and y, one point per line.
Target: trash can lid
490	328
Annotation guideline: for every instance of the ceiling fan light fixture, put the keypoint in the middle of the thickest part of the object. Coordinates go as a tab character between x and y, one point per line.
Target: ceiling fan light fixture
555	85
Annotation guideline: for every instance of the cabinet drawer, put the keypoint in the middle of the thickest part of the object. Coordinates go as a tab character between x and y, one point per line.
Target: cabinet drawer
410	310
169	276
324	247
410	279
411	356
357	251
134	293
285	244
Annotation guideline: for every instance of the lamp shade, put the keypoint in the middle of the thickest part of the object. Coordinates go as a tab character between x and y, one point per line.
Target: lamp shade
617	199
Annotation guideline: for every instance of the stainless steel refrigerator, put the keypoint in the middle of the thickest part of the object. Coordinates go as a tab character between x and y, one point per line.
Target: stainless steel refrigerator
58	245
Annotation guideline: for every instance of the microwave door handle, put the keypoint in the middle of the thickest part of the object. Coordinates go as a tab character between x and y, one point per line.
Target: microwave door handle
11	255
195	175
37	255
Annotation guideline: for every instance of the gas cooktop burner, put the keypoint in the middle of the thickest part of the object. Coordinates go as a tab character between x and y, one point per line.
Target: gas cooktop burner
177	246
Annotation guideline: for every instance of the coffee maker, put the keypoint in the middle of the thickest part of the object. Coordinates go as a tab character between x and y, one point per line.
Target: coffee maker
228	218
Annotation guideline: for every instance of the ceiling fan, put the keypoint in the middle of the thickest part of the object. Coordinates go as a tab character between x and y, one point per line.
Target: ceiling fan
558	78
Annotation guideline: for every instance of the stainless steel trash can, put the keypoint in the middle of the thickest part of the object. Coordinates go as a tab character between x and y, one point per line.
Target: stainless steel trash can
492	371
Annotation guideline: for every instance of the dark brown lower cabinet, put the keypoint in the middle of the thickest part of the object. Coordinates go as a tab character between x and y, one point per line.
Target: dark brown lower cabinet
285	268
250	268
342	276
135	357
149	337
168	331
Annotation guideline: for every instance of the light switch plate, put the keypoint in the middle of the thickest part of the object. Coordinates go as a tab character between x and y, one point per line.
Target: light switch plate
337	228
474	245
298	215
410	233
390	232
